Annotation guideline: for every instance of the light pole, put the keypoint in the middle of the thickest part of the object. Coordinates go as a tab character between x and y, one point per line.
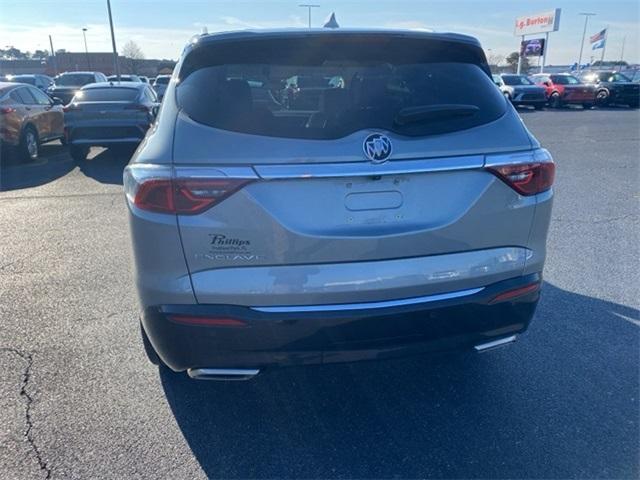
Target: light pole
309	6
86	50
53	56
113	43
584	32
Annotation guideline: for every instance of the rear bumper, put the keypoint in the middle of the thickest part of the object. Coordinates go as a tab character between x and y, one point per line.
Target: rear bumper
262	337
105	135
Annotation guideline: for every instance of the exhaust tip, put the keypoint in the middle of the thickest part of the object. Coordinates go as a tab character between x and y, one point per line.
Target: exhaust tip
501	342
223	374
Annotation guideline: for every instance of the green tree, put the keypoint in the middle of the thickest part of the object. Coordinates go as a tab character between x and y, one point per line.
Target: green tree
512	61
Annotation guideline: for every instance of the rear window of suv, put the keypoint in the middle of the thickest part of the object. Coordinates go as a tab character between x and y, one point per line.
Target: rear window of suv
327	87
74	79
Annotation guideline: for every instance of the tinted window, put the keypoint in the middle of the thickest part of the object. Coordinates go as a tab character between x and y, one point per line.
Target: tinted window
25	95
113	94
332	87
618	77
74	79
16	97
516	80
40	97
565	79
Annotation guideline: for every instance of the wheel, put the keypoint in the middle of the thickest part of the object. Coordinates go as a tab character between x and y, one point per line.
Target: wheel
29	144
554	100
587	106
602	98
79	154
148	348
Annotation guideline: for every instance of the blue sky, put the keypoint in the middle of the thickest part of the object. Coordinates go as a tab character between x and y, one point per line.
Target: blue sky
162	27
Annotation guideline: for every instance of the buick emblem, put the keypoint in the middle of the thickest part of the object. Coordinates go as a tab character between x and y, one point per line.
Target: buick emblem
377	147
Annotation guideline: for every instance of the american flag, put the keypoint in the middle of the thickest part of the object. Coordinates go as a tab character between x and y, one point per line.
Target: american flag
597	40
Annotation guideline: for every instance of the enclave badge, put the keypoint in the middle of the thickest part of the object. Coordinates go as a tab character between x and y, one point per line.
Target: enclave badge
377	147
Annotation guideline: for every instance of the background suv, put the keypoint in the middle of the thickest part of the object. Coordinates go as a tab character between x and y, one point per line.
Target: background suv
564	89
613	88
520	90
67	84
28	117
399	207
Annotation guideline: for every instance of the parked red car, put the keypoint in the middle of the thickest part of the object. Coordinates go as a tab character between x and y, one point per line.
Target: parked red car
564	89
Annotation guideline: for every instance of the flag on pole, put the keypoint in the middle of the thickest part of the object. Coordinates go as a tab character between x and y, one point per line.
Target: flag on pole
598	40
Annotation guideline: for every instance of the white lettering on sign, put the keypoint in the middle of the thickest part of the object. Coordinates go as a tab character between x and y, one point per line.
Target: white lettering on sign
538	23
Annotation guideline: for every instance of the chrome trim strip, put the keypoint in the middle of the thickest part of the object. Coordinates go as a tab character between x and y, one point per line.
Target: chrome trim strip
540	155
359	169
369	305
215	172
483	347
222	373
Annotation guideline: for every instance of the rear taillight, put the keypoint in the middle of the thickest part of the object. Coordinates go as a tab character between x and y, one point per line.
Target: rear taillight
7	110
207	321
515	293
528	174
154	190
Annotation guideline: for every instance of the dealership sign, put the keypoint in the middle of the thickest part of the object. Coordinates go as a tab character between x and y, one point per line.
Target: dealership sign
539	23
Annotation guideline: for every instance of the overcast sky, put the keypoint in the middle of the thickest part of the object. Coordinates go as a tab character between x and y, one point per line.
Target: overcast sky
162	27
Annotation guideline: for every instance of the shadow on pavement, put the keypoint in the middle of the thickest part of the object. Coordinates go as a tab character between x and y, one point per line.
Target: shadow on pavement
560	403
15	173
107	165
103	165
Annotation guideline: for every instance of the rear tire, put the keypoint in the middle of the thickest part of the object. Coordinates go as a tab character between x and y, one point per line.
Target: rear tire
79	154
555	101
29	144
152	356
602	98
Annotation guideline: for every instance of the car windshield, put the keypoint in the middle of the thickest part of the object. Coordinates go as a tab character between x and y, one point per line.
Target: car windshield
516	80
108	94
565	79
336	89
74	79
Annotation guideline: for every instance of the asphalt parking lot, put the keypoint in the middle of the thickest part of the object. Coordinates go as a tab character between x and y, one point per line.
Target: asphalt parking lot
78	398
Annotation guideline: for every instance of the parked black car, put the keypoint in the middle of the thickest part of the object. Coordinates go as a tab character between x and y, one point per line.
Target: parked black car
613	88
67	84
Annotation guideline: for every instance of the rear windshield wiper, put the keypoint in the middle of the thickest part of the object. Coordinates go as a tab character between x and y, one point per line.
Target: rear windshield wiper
429	113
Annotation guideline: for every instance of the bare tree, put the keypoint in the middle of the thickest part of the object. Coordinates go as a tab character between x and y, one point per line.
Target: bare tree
133	54
494	60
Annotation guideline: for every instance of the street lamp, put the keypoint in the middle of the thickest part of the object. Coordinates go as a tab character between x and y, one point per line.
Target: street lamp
584	32
86	50
309	7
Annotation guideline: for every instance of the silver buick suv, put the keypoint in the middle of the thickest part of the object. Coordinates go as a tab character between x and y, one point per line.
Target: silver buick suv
317	196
